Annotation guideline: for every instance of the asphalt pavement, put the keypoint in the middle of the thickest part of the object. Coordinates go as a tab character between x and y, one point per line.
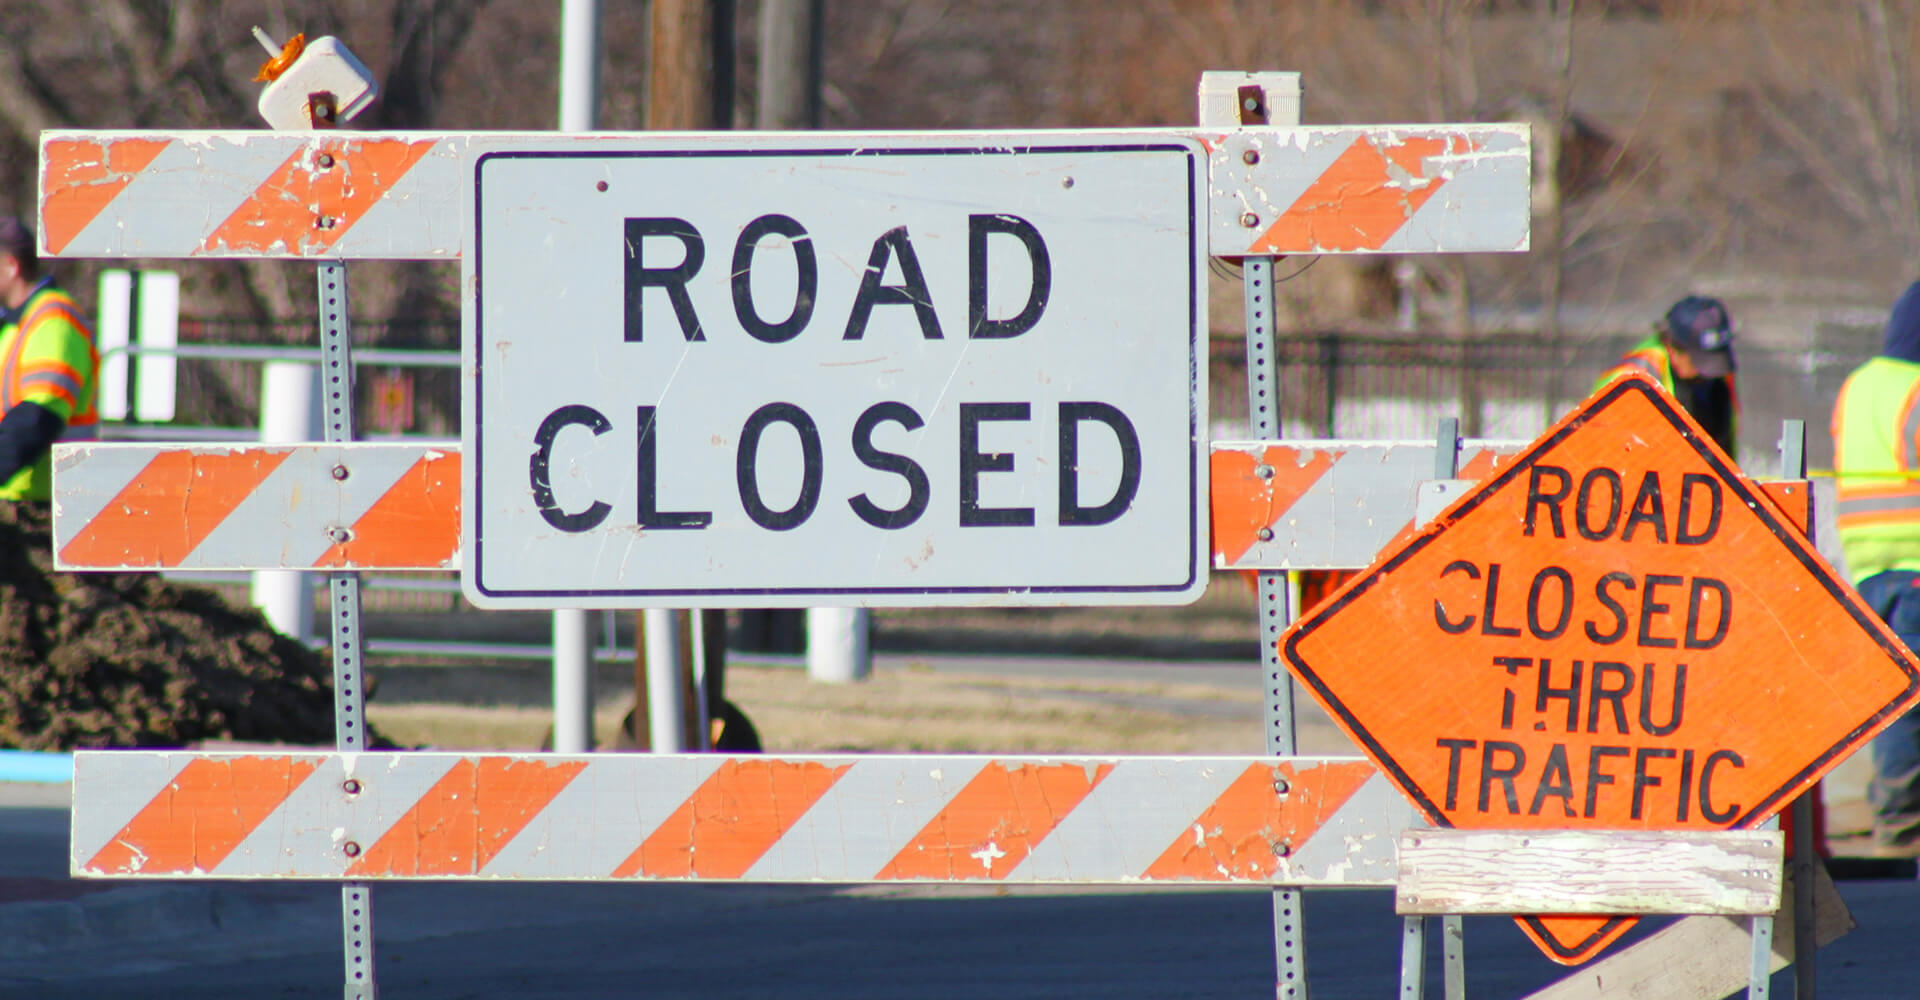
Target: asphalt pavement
61	937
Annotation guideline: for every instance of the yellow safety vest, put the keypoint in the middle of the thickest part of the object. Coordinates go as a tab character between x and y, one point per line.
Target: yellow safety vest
1652	356
1876	440
47	357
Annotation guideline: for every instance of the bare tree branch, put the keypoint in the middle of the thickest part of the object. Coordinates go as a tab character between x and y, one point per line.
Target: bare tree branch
1819	161
23	104
133	41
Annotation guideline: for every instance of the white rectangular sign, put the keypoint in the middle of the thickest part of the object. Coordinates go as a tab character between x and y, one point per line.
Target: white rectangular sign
837	370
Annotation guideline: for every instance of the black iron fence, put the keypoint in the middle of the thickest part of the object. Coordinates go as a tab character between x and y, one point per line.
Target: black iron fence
1332	384
1512	386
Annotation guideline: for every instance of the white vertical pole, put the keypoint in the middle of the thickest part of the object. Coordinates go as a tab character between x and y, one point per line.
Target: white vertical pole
159	333
113	331
289	414
572	651
837	649
666	723
572	682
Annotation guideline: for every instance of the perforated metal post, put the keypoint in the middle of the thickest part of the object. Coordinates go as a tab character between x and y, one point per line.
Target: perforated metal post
1793	465
343	606
1275	610
1413	958
1453	931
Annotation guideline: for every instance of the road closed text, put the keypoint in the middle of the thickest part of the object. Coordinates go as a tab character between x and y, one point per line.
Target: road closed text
664	256
1594	686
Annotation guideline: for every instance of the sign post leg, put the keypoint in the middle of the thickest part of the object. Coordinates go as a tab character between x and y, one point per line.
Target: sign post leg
1413	958
1275	610
1446	465
1793	465
343	591
1453	934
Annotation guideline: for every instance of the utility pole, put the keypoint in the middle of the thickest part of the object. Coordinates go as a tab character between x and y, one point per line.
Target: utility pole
789	81
689	87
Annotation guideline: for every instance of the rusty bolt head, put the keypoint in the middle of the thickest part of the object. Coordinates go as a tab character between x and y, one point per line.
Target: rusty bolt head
340	473
1263	470
1249	220
1250	157
326	160
1266	534
351	786
350	849
601	186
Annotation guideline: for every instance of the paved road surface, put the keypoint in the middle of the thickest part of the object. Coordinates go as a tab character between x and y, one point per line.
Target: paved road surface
440	941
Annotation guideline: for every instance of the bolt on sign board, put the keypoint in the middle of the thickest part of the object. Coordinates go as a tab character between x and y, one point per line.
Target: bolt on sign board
724	371
1617	630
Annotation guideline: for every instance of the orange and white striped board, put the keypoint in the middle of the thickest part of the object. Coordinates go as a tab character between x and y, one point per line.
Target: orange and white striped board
1300	505
1370	189
402	195
1325	504
254	507
708	817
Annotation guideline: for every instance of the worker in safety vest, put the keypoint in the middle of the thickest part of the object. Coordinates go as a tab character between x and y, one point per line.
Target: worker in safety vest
1876	447
1690	353
48	369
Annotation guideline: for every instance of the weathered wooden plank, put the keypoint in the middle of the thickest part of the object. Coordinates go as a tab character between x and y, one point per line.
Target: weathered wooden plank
1701	957
1589	871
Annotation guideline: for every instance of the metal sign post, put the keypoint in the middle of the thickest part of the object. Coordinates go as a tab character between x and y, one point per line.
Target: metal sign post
343	604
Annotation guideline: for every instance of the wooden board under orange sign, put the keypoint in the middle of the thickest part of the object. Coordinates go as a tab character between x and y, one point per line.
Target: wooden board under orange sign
1616	631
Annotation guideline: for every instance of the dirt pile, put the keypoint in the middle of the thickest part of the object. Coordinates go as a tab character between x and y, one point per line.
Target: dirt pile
132	660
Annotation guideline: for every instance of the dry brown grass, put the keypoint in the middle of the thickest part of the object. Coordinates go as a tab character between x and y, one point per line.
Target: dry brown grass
901	710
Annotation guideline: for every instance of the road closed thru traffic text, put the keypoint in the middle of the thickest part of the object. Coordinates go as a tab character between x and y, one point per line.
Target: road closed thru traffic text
1615	631
870	370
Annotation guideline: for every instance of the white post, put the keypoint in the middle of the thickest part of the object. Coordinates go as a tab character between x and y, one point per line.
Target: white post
572	682
837	644
665	721
158	327
112	332
289	414
572	651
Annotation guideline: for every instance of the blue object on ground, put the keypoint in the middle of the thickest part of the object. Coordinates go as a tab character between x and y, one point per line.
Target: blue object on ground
35	765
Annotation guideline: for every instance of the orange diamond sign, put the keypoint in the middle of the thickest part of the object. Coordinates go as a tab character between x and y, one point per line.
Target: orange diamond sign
1615	631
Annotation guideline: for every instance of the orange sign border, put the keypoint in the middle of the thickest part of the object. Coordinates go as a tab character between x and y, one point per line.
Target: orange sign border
1746	490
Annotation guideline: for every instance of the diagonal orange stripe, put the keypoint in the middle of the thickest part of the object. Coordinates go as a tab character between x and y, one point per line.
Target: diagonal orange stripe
1362	199
201	816
1235	837
170	507
305	207
461	823
731	820
1243	502
995	822
82	176
416	523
